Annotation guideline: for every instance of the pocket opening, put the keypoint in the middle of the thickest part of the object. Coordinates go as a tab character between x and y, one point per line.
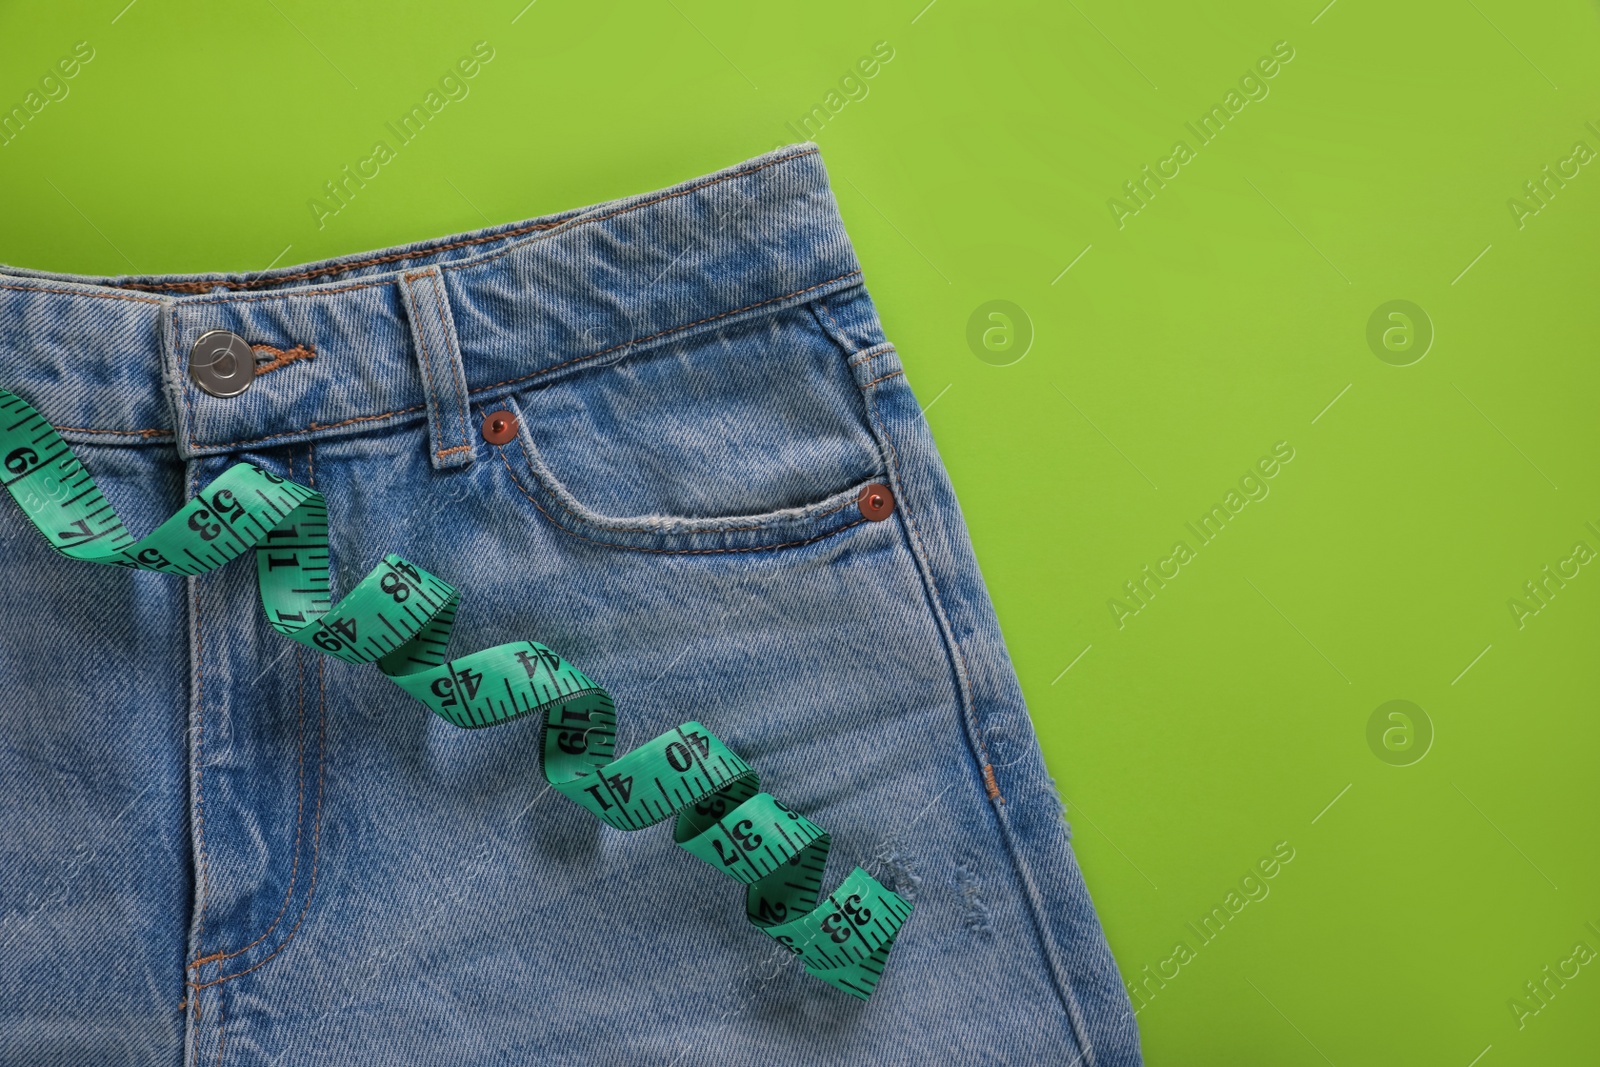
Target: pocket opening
781	528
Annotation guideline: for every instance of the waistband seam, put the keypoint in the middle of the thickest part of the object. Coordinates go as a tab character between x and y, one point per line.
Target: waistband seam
663	333
119	433
315	427
472	393
83	292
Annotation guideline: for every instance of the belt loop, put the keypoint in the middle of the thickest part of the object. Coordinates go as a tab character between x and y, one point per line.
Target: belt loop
433	335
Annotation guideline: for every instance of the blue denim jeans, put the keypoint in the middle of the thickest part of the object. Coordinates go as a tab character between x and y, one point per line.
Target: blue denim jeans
219	848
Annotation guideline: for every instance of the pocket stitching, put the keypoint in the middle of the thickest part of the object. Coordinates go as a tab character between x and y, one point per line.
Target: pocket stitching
579	517
670	330
873	353
670	551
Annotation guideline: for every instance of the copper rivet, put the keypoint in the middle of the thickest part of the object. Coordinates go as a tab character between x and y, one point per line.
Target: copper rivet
876	502
499	427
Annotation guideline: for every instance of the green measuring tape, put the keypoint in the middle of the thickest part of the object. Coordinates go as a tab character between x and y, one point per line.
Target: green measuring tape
400	617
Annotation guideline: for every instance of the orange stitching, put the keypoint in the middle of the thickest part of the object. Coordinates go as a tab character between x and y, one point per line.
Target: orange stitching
665	551
289	293
282	357
199	750
74	292
224	954
182	287
315	842
188	410
911	528
299	822
222	1008
312	427
871	354
533	469
207	286
989	784
455	354
204	287
844	344
121	433
457	448
316	816
663	333
884	378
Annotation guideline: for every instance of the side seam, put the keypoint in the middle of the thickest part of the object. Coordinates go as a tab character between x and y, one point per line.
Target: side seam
959	668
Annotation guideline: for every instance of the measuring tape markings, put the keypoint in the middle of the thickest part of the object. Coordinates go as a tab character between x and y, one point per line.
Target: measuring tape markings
400	617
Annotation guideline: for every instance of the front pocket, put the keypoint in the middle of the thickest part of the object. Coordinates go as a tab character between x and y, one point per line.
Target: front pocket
783	528
743	435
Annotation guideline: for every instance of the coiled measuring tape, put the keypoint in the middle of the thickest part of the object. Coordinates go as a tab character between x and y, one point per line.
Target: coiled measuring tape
399	616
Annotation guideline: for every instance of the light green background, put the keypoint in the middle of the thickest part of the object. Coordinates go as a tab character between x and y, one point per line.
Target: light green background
1229	314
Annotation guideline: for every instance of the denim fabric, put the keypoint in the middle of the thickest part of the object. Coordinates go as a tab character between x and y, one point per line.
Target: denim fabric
219	848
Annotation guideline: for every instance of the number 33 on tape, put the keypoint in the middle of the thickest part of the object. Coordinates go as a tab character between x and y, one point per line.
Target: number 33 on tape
399	616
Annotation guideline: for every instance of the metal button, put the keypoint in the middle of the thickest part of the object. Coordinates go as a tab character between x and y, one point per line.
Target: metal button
876	502
222	363
499	427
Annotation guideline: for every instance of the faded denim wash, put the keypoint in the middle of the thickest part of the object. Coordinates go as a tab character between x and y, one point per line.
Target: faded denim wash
219	848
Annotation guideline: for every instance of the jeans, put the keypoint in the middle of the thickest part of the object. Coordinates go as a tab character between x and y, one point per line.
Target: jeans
218	847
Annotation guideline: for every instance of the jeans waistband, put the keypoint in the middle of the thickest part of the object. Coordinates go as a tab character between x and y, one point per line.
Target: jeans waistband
383	338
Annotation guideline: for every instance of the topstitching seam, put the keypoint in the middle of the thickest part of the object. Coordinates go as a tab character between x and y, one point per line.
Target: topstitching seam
309	428
911	527
663	333
299	823
842	339
316	837
663	551
868	355
120	433
199	742
76	292
533	468
290	294
316	817
222	1015
188	405
298	819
